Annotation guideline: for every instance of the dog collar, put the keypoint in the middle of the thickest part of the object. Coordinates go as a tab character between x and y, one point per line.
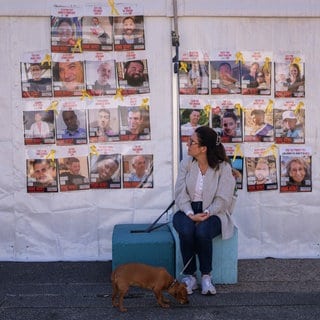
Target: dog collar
173	283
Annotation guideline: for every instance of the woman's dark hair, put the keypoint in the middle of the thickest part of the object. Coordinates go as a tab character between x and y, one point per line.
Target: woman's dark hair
215	150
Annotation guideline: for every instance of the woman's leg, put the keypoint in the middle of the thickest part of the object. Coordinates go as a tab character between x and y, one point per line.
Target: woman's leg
186	228
205	232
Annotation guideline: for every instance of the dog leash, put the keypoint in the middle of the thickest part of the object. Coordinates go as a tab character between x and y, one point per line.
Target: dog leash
186	265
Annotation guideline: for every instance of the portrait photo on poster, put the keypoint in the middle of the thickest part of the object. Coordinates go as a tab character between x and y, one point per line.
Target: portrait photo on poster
289	126
105	171
225	77
39	127
36	80
73	173
71	127
230	123
129	33
237	170
138	171
256	78
295	173
191	119
66	34
42	175
133	76
101	77
258	125
261	173
289	80
68	75
134	123
103	125
194	77
97	33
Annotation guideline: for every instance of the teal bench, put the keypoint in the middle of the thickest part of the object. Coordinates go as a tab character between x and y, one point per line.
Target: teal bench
224	261
155	248
161	247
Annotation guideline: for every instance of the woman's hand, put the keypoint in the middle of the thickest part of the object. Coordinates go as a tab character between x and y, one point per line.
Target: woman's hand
199	217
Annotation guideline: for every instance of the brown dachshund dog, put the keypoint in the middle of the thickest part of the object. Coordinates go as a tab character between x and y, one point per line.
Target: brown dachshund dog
141	275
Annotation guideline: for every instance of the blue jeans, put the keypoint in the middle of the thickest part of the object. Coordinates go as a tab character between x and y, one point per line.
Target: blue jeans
196	239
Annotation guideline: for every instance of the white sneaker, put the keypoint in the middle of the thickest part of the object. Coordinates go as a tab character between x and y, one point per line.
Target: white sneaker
207	286
191	283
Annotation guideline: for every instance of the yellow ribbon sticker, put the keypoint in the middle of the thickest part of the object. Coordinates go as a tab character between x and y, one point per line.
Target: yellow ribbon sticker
299	106
46	59
85	94
77	47
238	108
53	106
183	66
237	151
145	104
114	11
93	151
269	106
266	65
119	94
296	60
239	57
207	109
272	149
51	156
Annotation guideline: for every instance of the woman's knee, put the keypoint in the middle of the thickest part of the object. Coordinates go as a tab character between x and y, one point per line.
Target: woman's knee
183	224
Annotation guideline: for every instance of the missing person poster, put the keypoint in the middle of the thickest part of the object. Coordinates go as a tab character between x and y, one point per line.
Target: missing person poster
261	168
289	79
36	76
289	121
295	169
225	73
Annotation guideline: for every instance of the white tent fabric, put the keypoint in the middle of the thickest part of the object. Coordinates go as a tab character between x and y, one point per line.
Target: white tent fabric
78	225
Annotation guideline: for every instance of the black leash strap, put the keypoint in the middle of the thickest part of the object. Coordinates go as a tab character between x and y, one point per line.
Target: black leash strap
153	224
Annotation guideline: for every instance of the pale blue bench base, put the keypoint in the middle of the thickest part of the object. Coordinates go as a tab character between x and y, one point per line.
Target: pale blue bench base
155	248
224	261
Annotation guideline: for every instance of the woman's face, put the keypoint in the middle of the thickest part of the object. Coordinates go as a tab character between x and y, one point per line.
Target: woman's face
294	71
297	172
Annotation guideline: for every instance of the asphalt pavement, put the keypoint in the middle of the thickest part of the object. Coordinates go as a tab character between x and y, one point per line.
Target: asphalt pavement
276	289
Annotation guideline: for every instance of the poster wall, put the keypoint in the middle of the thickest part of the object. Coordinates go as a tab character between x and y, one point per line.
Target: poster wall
77	224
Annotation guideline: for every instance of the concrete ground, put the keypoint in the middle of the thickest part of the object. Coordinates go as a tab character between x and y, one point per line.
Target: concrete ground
274	289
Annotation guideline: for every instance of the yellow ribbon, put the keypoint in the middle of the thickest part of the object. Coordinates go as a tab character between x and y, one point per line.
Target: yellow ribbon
51	156
145	104
53	106
299	106
114	11
119	94
47	58
266	65
296	60
85	94
272	149
237	151
207	109
239	57
77	46
93	151
238	108
269	106
183	66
